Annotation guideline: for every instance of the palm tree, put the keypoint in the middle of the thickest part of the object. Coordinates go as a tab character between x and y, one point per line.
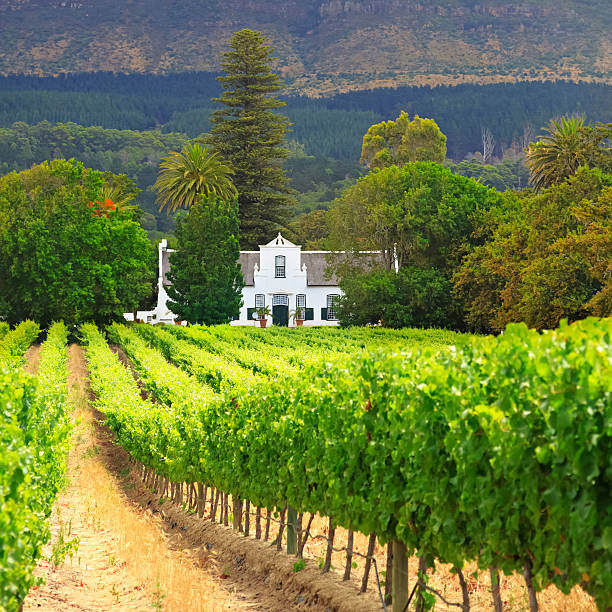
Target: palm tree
565	147
185	176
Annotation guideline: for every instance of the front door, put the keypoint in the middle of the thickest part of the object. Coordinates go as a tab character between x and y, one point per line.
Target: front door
280	315
280	309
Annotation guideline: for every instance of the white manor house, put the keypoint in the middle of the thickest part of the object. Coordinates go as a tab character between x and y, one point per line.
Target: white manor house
280	276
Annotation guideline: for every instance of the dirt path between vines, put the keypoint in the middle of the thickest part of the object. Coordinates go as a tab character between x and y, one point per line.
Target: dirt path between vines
137	552
32	359
122	561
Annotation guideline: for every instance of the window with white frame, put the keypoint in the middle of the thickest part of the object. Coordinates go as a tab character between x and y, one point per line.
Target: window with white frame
332	304
300	301
260	300
280	299
279	266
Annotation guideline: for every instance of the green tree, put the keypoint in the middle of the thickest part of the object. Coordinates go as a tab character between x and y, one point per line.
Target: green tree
194	172
593	240
249	134
206	277
420	216
310	230
412	297
401	141
547	257
509	174
65	252
567	145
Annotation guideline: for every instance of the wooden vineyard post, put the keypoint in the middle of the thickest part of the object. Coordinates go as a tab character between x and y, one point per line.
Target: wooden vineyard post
291	530
247	518
389	574
258	523
399	593
330	546
368	563
268	518
495	592
349	556
236	513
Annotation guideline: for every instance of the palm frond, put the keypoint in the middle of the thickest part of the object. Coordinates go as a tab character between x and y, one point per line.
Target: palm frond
187	175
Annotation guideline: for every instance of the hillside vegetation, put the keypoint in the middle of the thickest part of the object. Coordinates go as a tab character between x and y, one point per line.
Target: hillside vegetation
140	118
323	45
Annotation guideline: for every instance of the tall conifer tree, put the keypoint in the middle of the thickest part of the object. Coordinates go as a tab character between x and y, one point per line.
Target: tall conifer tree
249	134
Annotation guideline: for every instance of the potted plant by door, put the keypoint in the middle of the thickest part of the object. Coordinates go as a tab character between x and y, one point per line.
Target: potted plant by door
298	315
262	313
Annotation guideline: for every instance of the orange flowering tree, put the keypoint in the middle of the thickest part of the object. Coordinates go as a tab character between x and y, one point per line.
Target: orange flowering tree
102	207
66	251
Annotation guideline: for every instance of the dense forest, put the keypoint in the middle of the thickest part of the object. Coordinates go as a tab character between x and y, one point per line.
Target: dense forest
126	123
318	179
327	127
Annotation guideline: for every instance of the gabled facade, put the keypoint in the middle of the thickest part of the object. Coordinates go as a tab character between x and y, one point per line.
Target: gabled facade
280	275
283	277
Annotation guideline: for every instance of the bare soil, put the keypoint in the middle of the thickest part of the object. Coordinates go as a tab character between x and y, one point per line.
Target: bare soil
32	359
95	578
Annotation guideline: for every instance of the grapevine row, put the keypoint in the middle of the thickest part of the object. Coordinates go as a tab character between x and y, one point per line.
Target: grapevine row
34	438
496	450
208	368
15	342
250	359
167	383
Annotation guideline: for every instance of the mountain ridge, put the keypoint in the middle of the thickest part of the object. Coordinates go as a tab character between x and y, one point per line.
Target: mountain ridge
323	46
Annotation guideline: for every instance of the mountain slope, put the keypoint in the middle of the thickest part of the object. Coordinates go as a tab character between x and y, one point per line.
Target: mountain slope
323	45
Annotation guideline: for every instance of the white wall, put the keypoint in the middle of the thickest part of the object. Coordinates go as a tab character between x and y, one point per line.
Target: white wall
292	285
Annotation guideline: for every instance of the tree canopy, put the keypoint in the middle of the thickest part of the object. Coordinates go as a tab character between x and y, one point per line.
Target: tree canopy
546	257
565	146
420	217
249	135
422	213
401	141
66	252
206	277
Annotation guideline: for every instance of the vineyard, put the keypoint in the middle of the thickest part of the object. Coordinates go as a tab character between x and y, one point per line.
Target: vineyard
461	450
34	436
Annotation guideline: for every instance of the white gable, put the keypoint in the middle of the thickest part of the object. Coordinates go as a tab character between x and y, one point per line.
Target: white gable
279	241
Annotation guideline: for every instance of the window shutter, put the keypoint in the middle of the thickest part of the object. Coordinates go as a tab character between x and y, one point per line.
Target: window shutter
324	314
309	314
250	312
